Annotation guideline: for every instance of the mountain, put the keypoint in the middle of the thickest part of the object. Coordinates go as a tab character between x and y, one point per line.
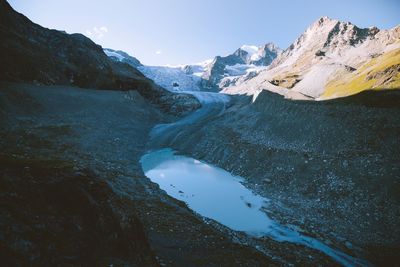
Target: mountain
331	59
246	60
31	53
209	75
172	78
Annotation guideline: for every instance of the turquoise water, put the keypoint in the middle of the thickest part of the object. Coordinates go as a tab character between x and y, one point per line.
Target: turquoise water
216	194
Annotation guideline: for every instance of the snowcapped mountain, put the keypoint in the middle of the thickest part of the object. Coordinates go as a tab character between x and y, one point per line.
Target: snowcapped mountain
178	78
209	75
259	56
330	59
173	78
246	61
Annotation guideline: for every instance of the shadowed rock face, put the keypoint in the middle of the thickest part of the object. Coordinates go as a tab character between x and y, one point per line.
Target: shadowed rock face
53	215
31	53
56	207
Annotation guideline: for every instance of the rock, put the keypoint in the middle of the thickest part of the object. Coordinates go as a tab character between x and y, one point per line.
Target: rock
267	180
348	245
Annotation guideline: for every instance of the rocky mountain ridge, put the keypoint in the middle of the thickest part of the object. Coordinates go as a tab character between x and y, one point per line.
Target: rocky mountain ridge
210	75
223	70
331	59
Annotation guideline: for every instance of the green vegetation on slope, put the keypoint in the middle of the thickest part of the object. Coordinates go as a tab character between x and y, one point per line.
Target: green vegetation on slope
381	72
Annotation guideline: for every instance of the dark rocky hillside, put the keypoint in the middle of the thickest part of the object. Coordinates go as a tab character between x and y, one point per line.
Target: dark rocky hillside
52	214
72	191
31	53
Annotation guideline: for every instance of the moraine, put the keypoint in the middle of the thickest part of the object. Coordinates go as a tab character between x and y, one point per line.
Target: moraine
200	186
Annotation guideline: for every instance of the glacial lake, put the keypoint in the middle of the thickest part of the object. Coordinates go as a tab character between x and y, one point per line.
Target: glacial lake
216	194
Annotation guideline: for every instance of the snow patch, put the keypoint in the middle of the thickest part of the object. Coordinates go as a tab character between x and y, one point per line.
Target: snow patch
313	83
113	54
172	78
252	50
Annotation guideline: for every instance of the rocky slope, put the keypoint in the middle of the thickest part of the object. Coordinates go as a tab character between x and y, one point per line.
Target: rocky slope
330	168
331	59
73	192
31	53
53	214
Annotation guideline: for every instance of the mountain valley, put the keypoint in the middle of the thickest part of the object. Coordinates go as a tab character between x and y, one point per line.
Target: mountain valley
312	129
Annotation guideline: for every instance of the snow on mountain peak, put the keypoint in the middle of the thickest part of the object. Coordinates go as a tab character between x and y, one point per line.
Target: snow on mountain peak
323	24
251	49
272	47
122	56
331	58
257	53
112	53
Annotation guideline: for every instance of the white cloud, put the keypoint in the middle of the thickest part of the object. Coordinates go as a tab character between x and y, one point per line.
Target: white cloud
158	52
97	32
103	28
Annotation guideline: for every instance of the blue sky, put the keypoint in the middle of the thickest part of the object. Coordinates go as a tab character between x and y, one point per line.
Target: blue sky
160	32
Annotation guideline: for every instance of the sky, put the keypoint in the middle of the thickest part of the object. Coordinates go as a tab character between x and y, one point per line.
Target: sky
162	32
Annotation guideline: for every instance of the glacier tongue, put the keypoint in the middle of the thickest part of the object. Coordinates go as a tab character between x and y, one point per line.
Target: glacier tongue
172	78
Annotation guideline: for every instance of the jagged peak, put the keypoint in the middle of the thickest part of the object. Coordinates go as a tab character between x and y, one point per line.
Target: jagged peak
326	26
322	22
324	19
251	49
327	21
272	47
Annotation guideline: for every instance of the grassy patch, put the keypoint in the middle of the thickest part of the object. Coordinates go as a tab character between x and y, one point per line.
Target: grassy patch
365	77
